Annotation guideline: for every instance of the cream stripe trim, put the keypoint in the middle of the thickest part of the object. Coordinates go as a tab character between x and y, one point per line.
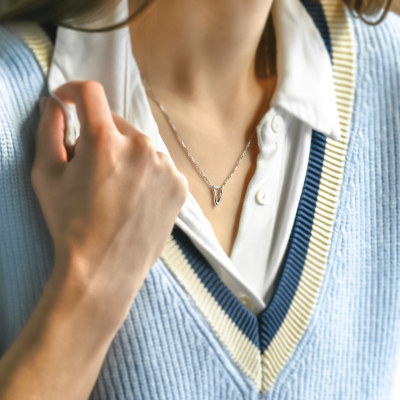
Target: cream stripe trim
243	352
37	41
301	310
264	370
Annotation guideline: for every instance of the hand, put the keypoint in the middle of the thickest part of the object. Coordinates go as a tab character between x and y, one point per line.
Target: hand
111	208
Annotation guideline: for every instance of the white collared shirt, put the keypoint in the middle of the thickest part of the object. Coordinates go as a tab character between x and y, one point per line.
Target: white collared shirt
304	100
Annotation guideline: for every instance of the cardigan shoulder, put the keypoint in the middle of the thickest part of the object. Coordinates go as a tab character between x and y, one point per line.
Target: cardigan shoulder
25	244
21	80
16	59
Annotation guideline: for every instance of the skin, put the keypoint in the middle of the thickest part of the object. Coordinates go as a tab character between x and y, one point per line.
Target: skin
110	211
199	59
111	207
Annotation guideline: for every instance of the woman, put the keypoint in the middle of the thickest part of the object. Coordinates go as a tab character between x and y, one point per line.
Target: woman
280	278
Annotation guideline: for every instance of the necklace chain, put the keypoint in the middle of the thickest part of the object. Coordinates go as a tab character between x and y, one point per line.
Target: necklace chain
213	187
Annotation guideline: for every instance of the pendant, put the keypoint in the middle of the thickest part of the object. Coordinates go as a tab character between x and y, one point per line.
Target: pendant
221	192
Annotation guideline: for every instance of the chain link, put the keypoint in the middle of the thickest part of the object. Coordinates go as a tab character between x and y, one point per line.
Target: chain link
213	187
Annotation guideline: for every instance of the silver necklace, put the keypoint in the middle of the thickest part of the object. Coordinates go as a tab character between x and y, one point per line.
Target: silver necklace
215	189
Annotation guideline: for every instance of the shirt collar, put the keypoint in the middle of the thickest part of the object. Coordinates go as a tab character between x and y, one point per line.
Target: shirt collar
305	85
305	81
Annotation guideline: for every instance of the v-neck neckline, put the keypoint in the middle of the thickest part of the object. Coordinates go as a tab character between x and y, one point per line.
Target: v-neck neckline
261	329
261	345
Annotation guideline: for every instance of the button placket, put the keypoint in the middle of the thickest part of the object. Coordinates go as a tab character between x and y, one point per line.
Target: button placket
277	123
270	131
246	301
262	196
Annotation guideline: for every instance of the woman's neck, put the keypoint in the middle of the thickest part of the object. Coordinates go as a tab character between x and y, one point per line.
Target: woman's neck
199	56
204	49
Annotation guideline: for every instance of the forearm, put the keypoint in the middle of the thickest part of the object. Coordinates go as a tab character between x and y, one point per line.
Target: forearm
59	353
109	209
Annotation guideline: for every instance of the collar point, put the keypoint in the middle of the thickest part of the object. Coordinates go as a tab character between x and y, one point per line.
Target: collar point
335	133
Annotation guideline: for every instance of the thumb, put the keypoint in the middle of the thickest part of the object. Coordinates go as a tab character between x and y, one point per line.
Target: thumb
50	150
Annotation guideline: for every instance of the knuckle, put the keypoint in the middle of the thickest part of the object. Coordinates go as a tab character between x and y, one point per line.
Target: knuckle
90	88
144	146
164	159
131	132
167	167
104	140
182	188
175	180
99	132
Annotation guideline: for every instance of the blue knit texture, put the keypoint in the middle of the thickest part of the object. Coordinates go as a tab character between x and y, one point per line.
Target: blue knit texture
25	244
165	349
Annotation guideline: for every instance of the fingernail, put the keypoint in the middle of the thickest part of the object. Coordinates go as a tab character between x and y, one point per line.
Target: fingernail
42	104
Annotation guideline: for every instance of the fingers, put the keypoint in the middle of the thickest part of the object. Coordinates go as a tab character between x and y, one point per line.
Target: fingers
50	150
91	104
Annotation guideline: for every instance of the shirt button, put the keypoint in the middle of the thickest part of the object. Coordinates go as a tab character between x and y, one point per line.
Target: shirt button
245	300
262	196
277	123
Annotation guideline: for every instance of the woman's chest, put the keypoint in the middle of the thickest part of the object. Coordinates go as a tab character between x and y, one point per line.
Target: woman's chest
212	156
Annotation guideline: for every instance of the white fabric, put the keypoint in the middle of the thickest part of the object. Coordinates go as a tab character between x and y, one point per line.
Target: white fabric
304	98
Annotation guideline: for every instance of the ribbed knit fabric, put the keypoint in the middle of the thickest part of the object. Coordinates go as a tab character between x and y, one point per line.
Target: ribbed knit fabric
25	244
170	347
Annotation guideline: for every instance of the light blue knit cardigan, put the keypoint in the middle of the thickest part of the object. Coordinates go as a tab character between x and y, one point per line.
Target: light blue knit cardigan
332	329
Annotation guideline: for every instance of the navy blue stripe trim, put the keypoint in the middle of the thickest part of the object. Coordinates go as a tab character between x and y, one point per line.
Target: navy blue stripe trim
243	318
262	330
271	319
316	11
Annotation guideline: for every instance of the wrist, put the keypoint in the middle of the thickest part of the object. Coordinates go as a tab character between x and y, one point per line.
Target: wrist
81	292
65	339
